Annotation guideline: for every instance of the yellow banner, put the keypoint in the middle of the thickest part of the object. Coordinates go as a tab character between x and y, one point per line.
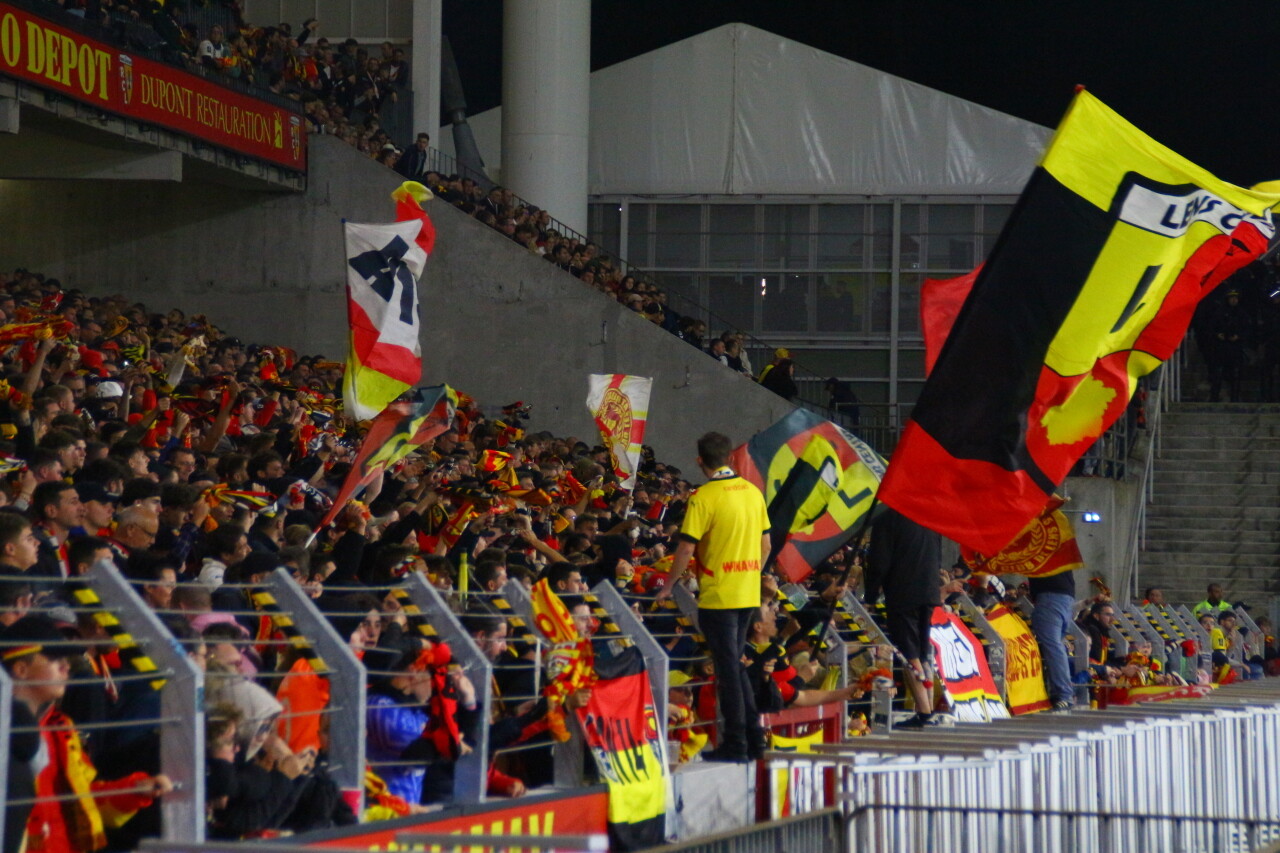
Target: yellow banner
1023	675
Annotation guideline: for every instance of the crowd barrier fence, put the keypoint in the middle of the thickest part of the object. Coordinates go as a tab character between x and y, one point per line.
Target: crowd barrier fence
1177	776
182	746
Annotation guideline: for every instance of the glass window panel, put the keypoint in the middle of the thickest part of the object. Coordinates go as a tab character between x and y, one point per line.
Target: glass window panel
994	216
784	301
880	296
849	363
910	244
881	236
605	222
909	303
369	19
909	392
951	238
841	302
842	236
335	19
910	364
292	11
400	19
682	294
786	236
732	242
639	240
732	300
260	10
677	235
871	392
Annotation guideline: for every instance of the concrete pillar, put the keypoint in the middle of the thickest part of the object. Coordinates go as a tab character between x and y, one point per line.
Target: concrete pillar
546	100
424	71
9	121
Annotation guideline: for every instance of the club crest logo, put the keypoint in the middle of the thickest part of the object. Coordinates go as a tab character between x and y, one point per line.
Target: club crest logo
126	79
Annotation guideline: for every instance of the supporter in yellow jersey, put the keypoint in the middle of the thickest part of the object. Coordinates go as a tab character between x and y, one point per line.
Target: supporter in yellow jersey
726	526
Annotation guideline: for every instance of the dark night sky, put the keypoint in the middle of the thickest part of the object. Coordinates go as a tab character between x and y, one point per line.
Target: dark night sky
1200	77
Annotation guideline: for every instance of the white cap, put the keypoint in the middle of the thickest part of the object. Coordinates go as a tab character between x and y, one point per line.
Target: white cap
108	389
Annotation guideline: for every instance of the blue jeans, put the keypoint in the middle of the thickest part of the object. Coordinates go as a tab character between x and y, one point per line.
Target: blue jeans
1050	623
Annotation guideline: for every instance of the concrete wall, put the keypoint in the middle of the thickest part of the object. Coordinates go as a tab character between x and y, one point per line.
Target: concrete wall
1107	545
498	323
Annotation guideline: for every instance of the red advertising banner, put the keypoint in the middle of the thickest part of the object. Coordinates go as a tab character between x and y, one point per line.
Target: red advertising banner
575	814
107	78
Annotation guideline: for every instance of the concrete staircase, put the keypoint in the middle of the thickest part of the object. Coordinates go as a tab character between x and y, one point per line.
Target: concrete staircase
1215	515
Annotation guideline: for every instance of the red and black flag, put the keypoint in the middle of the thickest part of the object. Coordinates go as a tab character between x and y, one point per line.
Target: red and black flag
818	481
1091	285
397	431
622	731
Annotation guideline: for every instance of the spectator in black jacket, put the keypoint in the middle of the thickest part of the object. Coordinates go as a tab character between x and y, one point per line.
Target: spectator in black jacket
904	562
780	380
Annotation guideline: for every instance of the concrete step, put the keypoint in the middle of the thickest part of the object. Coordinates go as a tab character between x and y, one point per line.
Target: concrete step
1217	438
1205	565
1254	592
1209	454
1258	598
1245	464
1211	425
1193	548
1160	528
1196	475
1251	493
1249	504
1223	518
1223	409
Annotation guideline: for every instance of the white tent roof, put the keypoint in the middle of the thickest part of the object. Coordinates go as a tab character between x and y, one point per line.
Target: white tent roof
740	111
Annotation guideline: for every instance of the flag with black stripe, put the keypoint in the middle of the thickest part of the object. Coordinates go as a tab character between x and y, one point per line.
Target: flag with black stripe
1091	285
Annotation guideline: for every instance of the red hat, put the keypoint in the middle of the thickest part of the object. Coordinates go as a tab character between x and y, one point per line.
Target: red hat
91	360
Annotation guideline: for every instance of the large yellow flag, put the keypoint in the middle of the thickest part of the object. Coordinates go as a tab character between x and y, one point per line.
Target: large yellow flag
1091	286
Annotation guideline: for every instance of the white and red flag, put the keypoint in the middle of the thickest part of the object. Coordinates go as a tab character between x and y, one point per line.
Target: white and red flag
620	406
384	264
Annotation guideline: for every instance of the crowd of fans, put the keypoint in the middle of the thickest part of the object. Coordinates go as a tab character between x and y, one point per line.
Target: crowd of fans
196	465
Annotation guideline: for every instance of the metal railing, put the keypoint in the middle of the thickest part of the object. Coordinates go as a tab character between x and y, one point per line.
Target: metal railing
1113	832
821	830
1198	774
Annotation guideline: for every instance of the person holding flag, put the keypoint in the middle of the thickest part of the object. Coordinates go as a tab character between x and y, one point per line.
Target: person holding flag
726	526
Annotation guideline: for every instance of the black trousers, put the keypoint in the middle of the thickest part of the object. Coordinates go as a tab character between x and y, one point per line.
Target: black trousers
726	632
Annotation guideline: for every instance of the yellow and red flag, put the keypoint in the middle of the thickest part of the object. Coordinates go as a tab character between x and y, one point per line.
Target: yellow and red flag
1091	286
620	406
395	433
384	263
571	663
1047	546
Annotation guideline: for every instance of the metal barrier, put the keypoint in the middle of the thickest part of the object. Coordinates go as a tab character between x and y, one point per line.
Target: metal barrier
471	771
1116	832
181	746
655	659
1159	777
346	678
821	830
6	724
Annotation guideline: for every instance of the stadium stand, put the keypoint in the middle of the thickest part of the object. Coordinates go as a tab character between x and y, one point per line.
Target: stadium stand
201	658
